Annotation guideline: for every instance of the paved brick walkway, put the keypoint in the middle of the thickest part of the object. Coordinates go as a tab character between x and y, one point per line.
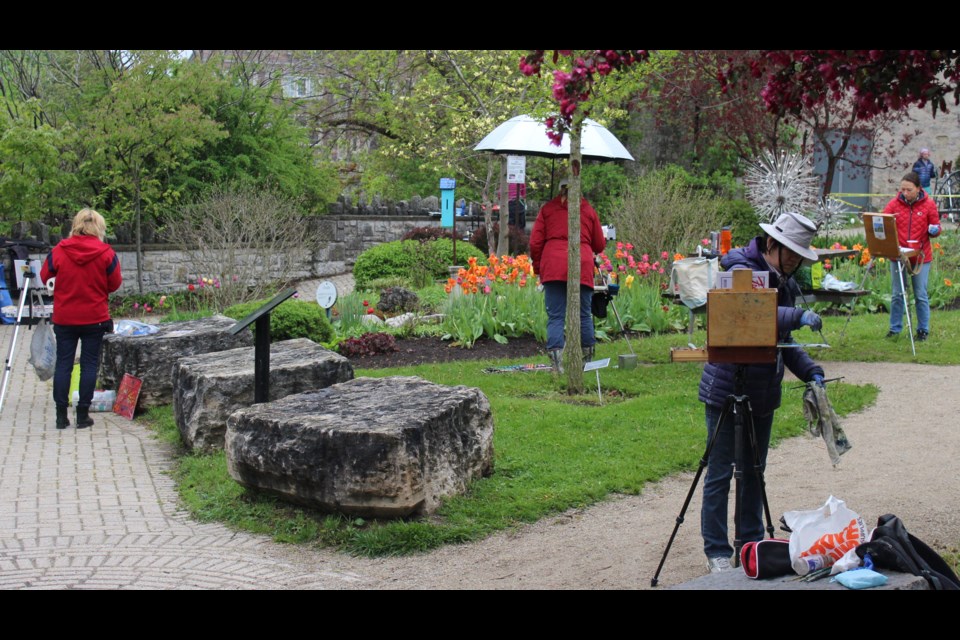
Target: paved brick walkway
96	508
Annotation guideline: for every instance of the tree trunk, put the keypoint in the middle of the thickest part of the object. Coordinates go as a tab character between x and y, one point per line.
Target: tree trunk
572	353
136	205
488	208
503	243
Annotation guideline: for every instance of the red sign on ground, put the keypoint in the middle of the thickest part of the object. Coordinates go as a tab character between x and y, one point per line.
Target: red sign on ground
127	396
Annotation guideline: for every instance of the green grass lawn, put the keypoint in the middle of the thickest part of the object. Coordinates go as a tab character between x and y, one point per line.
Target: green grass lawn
553	451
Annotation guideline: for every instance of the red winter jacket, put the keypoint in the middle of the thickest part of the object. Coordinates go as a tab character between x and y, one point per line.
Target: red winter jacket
548	241
87	270
913	220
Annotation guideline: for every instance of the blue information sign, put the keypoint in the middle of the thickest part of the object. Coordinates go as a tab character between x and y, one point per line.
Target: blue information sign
446	202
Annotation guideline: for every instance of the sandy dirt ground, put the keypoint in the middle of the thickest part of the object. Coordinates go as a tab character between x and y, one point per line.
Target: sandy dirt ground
902	462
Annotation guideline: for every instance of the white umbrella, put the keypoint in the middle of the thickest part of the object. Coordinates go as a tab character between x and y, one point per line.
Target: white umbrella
527	136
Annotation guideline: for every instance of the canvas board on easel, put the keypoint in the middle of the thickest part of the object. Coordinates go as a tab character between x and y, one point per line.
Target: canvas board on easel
881	230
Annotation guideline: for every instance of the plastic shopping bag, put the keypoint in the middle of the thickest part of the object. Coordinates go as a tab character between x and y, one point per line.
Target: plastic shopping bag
822	536
134	328
691	278
43	350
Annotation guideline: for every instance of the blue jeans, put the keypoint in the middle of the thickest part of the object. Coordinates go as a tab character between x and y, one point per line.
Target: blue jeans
555	299
921	298
716	485
90	337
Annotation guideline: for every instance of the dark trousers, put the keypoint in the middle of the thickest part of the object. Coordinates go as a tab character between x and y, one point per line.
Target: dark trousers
90	337
716	485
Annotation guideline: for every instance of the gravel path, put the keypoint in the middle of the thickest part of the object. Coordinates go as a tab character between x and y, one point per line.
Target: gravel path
901	462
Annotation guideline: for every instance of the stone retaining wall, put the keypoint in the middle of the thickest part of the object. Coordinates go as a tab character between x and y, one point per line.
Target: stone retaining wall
340	239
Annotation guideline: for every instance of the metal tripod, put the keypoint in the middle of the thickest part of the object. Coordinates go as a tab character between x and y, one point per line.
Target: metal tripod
28	295
903	293
743	428
605	287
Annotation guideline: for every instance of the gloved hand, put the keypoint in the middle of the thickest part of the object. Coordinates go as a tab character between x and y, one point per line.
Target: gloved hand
818	380
933	230
812	320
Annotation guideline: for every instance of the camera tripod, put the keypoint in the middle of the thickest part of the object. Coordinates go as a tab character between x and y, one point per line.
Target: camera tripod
744	435
29	294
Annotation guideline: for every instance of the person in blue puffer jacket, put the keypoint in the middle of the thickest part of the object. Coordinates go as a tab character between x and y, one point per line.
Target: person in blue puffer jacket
783	248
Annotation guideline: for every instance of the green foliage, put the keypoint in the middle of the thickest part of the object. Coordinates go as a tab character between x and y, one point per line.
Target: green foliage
35	182
379	284
349	310
740	216
641	309
291	319
432	298
601	184
508	311
141	132
416	262
670	210
267	146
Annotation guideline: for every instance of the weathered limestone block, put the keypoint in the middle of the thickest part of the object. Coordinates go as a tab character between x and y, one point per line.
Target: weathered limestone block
371	447
211	386
151	358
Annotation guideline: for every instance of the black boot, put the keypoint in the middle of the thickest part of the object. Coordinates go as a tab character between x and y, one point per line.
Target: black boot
83	418
62	420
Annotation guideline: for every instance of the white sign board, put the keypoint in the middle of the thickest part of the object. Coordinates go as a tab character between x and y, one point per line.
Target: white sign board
516	169
596	364
326	294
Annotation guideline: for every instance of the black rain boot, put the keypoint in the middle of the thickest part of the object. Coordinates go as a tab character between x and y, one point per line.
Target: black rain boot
62	420
83	418
556	360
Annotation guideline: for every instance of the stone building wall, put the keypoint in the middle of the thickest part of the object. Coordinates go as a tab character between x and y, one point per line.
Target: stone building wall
941	135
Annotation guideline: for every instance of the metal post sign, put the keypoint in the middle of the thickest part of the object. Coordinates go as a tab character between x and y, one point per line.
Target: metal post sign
446	202
516	169
596	365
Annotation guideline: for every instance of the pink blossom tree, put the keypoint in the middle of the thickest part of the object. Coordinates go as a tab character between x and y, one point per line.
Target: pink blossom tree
577	77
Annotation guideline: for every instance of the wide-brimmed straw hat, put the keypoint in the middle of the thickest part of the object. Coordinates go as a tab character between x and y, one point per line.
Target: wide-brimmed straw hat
795	232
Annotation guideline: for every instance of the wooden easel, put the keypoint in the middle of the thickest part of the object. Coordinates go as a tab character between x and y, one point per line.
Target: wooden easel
742	322
883	242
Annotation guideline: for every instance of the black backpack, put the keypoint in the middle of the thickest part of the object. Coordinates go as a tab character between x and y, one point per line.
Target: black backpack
892	547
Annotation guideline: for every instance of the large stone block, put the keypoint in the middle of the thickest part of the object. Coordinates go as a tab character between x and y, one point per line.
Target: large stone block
211	386
371	447
151	357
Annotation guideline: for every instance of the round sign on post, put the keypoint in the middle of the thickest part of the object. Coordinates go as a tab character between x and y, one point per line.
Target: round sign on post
326	294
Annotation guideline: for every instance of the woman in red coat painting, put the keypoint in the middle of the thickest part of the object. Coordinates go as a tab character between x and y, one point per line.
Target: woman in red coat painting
917	221
548	250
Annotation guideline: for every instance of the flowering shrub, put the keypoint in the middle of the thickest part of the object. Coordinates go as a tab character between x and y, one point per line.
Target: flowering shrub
624	268
424	234
368	344
477	278
419	263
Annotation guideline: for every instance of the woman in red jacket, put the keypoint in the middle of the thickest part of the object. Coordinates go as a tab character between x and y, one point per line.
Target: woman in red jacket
548	250
917	222
86	271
